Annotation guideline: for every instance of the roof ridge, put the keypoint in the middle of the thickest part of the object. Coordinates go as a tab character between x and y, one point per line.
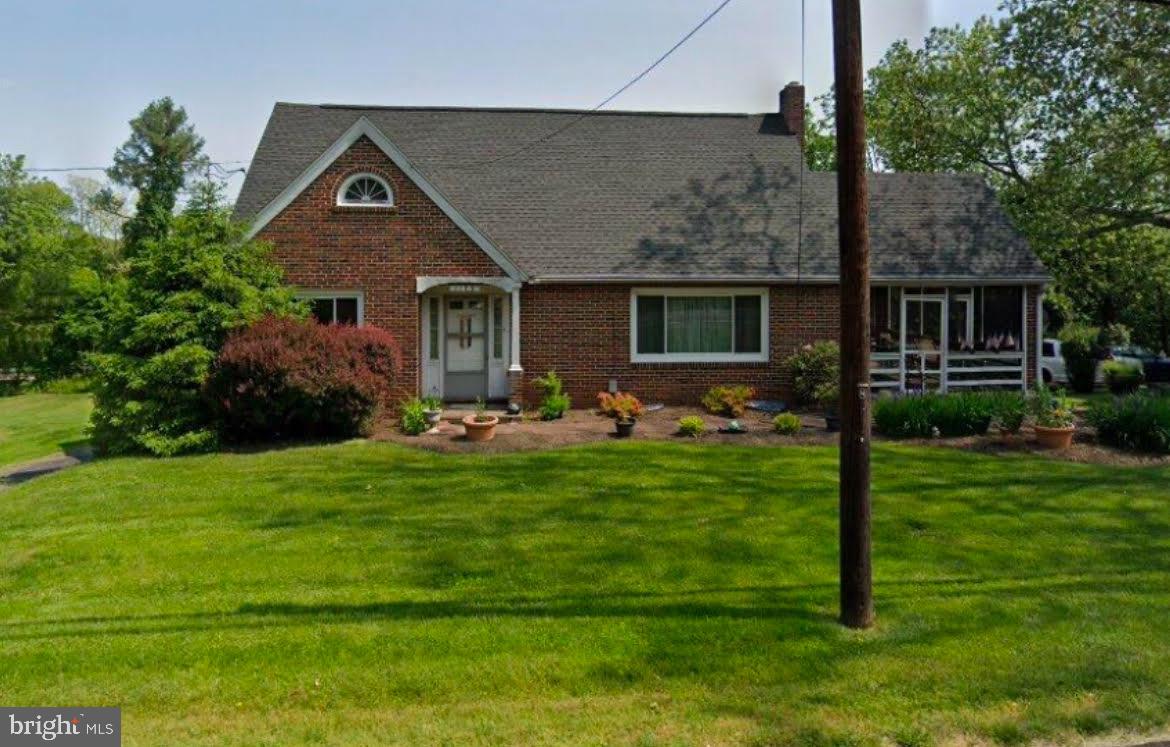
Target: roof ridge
524	110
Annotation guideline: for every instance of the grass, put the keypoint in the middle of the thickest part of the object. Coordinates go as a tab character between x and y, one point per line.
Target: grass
33	426
633	593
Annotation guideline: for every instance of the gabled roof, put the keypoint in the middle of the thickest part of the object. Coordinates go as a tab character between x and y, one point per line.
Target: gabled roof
646	195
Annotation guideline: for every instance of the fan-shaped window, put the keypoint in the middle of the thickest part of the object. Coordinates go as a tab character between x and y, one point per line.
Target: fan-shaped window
365	190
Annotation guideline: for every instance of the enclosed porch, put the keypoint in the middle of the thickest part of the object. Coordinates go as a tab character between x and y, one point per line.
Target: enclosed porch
469	337
947	338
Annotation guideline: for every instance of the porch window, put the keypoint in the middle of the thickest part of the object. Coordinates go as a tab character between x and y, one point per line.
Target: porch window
696	325
1002	326
961	320
330	308
885	318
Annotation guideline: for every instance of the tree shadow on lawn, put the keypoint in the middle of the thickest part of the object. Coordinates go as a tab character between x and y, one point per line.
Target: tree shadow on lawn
805	605
519	494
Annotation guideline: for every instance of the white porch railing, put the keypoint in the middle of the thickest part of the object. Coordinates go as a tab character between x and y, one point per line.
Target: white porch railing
984	369
885	371
958	370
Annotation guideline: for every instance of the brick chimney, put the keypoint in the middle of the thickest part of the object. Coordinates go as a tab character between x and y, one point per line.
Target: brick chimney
792	109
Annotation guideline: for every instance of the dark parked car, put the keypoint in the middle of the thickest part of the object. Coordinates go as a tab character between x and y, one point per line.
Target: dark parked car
1155	367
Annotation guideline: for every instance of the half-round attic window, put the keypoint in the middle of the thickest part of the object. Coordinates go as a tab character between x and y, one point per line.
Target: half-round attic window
365	190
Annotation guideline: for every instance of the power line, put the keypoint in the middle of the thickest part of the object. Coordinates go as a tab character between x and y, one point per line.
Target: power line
63	169
609	98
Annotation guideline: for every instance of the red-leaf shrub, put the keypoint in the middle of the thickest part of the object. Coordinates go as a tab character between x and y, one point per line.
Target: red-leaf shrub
283	378
622	405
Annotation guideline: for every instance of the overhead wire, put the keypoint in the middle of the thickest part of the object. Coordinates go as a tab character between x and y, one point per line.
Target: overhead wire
553	133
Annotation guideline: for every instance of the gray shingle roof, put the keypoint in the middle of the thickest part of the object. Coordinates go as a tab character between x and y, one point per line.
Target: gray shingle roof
644	194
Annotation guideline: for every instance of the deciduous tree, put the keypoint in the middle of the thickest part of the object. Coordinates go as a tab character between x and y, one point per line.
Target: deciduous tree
41	249
1064	106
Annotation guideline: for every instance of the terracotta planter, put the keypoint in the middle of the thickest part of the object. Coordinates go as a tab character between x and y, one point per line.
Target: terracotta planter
1055	438
480	430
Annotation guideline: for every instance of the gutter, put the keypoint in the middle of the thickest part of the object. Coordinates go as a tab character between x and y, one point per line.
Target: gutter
788	280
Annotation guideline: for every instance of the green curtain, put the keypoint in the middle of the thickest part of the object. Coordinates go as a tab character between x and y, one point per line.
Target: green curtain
699	324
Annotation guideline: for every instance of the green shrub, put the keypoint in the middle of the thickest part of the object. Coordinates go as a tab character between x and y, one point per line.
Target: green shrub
555	402
927	415
1050	408
153	404
828	396
1080	346
1122	377
169	316
554	406
691	425
414	417
432	403
730	401
1008	410
1139	422
786	424
812	367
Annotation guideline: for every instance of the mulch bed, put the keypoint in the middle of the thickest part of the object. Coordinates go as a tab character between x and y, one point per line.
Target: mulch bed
583	426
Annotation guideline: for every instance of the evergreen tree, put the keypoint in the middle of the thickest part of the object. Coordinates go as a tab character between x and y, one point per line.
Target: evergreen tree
164	322
163	148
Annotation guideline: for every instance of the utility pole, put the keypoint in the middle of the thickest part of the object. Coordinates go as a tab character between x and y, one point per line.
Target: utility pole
853	227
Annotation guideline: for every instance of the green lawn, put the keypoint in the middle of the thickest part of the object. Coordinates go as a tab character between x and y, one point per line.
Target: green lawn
40	425
628	593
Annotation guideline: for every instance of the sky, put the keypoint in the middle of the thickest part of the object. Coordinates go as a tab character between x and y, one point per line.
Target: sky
72	74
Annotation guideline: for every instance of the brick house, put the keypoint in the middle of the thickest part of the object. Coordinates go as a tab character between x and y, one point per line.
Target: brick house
659	253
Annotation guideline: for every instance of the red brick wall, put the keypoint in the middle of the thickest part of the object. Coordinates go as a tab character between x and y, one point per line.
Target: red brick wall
583	332
1032	293
379	251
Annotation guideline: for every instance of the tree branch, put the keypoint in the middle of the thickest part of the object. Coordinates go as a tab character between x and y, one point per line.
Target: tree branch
1124	219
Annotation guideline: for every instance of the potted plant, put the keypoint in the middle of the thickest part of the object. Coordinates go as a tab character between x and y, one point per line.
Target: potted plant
829	396
480	426
1054	419
624	408
624	427
432	409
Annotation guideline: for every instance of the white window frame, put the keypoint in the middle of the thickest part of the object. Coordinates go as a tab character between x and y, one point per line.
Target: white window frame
760	357
334	295
341	201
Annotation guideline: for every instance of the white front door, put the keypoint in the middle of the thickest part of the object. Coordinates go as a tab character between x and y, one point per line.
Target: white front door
465	348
